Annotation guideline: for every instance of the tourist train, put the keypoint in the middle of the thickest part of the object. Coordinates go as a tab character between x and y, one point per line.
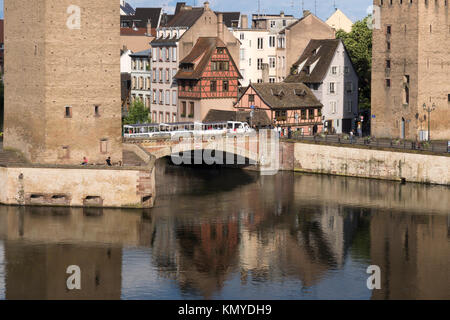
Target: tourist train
155	130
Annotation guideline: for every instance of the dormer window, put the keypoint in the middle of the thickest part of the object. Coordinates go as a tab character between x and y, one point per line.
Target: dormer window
307	70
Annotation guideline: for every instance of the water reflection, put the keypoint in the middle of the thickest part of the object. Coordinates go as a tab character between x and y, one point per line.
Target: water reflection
232	234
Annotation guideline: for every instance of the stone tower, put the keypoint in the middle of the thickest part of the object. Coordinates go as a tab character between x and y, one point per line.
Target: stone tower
410	67
62	80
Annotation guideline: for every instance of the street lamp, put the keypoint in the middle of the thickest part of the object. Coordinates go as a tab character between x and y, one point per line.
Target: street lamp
429	110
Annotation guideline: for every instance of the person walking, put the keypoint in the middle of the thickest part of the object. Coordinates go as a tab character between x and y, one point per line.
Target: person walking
85	161
108	162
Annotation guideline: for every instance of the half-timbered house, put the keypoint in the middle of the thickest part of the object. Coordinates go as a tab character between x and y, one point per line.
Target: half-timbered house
291	106
207	79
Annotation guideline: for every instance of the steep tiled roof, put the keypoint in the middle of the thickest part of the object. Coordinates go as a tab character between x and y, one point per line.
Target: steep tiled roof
286	96
259	117
230	17
316	58
185	18
143	53
199	57
142	16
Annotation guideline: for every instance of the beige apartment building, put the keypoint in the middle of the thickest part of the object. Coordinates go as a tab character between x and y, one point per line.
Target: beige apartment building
293	39
62	80
410	68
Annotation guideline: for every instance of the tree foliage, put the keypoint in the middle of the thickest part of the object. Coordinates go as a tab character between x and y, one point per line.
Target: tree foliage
138	113
359	46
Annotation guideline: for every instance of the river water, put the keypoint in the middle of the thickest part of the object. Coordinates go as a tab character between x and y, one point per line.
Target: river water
218	233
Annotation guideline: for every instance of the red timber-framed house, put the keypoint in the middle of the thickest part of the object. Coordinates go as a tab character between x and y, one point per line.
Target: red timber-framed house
290	106
208	78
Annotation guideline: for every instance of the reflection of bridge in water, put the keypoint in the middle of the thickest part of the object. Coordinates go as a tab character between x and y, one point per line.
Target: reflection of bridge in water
267	230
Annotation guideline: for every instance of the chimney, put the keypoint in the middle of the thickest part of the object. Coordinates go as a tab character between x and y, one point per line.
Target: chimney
206	5
282	14
306	13
244	21
220	26
149	27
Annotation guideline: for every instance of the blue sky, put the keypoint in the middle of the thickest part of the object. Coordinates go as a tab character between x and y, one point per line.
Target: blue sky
354	9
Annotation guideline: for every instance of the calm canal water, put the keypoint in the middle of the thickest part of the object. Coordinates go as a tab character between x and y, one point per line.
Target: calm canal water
231	234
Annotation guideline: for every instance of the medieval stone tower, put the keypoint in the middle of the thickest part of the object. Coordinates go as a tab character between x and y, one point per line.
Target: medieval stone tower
62	80
410	67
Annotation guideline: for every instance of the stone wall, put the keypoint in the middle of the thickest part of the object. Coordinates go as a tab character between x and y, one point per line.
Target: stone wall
50	65
76	186
367	163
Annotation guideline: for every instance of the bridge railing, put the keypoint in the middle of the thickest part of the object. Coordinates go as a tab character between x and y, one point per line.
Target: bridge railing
437	147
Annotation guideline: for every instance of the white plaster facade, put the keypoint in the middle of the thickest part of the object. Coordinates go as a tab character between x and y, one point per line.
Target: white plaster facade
141	76
258	56
125	61
338	93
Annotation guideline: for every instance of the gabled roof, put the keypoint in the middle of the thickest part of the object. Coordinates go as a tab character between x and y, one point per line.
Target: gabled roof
301	20
185	18
142	54
317	56
286	96
230	17
259	116
142	16
127	9
199	57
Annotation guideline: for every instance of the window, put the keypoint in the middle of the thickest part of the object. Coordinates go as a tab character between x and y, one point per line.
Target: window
225	86
346	69
272	62
388	83
260	81
251	98
174	54
272	42
154	95
406	89
259	64
167	97
349	87
220	51
271	80
284	23
183	109
334	70
97	111
168	75
303	114
388	30
191	109
388	45
272	24
104	146
332	88
249	62
213	86
333	106
242	54
349	106
68	112
260	43
311	114
174	98
388	64
242	36
161	97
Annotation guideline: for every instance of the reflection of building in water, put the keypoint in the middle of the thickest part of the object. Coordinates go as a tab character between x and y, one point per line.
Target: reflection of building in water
413	252
208	252
39	271
305	245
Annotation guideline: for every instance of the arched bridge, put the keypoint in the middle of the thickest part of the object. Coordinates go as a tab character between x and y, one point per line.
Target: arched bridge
259	150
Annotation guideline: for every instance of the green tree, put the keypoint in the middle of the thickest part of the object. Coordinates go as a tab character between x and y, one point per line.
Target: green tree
138	113
359	46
